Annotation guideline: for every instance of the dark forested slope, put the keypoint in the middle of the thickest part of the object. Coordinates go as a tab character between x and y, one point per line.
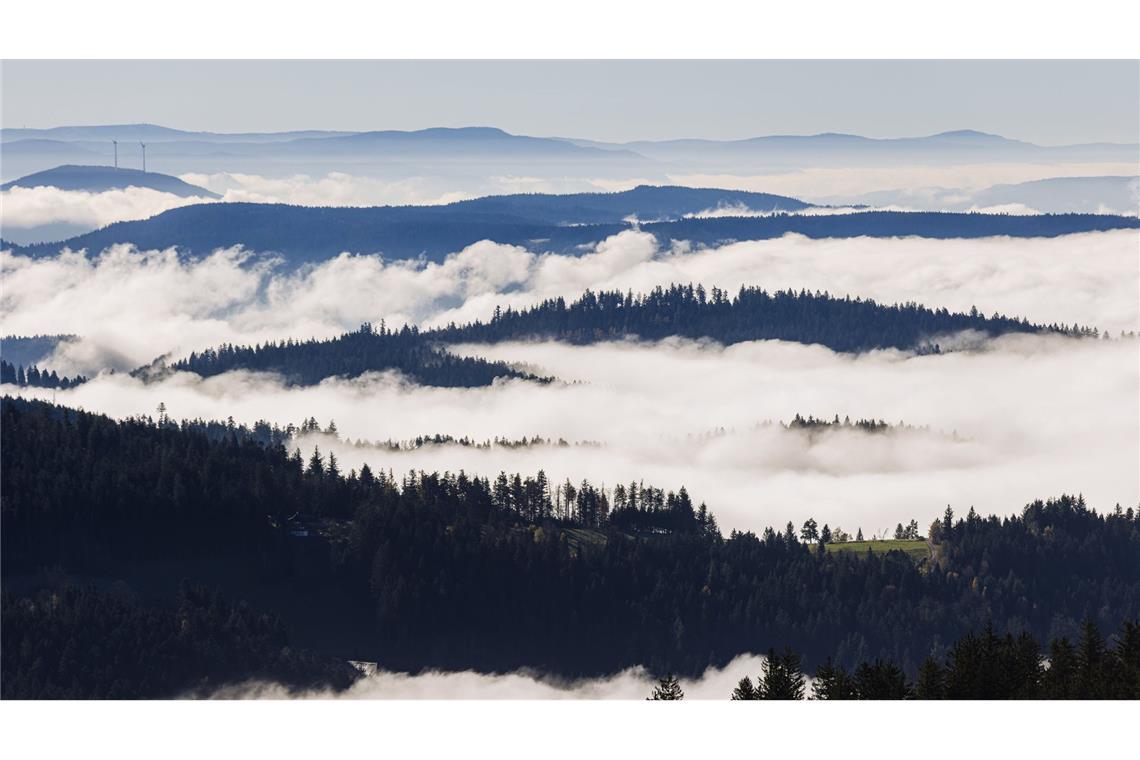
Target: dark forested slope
457	571
313	234
365	350
842	324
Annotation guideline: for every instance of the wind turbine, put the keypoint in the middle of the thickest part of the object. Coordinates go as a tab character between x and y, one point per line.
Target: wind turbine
144	153
116	142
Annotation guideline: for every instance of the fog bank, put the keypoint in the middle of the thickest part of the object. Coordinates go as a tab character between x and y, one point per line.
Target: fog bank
1024	417
632	683
130	306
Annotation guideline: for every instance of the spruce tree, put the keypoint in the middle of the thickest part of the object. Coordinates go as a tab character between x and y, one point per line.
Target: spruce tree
832	682
782	677
931	683
1060	678
745	690
668	688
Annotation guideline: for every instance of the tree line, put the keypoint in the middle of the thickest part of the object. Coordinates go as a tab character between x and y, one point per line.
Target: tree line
977	666
368	349
36	378
842	324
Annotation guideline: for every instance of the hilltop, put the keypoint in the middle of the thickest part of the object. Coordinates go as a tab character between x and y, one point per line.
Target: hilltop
97	179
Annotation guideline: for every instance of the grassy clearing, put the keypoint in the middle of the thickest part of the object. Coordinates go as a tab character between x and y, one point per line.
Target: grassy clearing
579	537
916	550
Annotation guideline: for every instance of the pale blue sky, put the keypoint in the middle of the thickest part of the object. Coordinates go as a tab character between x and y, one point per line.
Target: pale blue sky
1048	102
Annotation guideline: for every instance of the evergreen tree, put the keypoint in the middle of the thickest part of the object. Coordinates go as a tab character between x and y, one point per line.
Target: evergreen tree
782	677
1092	659
881	679
668	688
931	682
1061	677
832	682
810	531
745	690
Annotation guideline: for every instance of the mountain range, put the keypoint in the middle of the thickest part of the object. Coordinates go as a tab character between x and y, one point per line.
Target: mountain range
28	150
305	235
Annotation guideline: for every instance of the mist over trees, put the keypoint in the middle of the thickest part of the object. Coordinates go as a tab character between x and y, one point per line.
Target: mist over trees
841	324
369	349
454	571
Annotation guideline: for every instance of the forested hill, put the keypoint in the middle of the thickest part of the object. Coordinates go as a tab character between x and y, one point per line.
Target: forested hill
458	572
842	324
97	179
647	203
309	234
365	350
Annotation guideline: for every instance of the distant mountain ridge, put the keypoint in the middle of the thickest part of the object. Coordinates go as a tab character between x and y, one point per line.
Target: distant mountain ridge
1052	195
408	231
451	148
153	132
307	235
97	179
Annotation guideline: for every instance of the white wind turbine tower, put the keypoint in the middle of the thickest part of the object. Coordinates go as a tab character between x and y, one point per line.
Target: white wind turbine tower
144	153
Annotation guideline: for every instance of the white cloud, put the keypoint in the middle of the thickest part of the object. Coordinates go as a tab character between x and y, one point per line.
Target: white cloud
26	208
632	683
332	189
1036	415
821	183
139	305
1026	417
37	206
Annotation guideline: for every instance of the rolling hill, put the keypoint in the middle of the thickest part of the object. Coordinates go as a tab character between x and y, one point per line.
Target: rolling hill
303	235
97	179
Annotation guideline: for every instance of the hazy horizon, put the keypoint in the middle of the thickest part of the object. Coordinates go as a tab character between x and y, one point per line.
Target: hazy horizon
1044	102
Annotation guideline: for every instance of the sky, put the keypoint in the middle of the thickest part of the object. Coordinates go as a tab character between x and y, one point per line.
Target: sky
1047	102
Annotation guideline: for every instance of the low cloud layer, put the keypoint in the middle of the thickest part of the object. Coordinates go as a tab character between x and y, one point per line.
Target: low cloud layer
633	683
332	189
25	207
1017	418
1026	417
130	306
825	185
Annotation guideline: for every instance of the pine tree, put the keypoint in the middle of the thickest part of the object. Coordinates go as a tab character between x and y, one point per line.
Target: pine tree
1091	661
931	683
668	688
832	682
1060	680
782	677
810	531
881	679
745	690
316	465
